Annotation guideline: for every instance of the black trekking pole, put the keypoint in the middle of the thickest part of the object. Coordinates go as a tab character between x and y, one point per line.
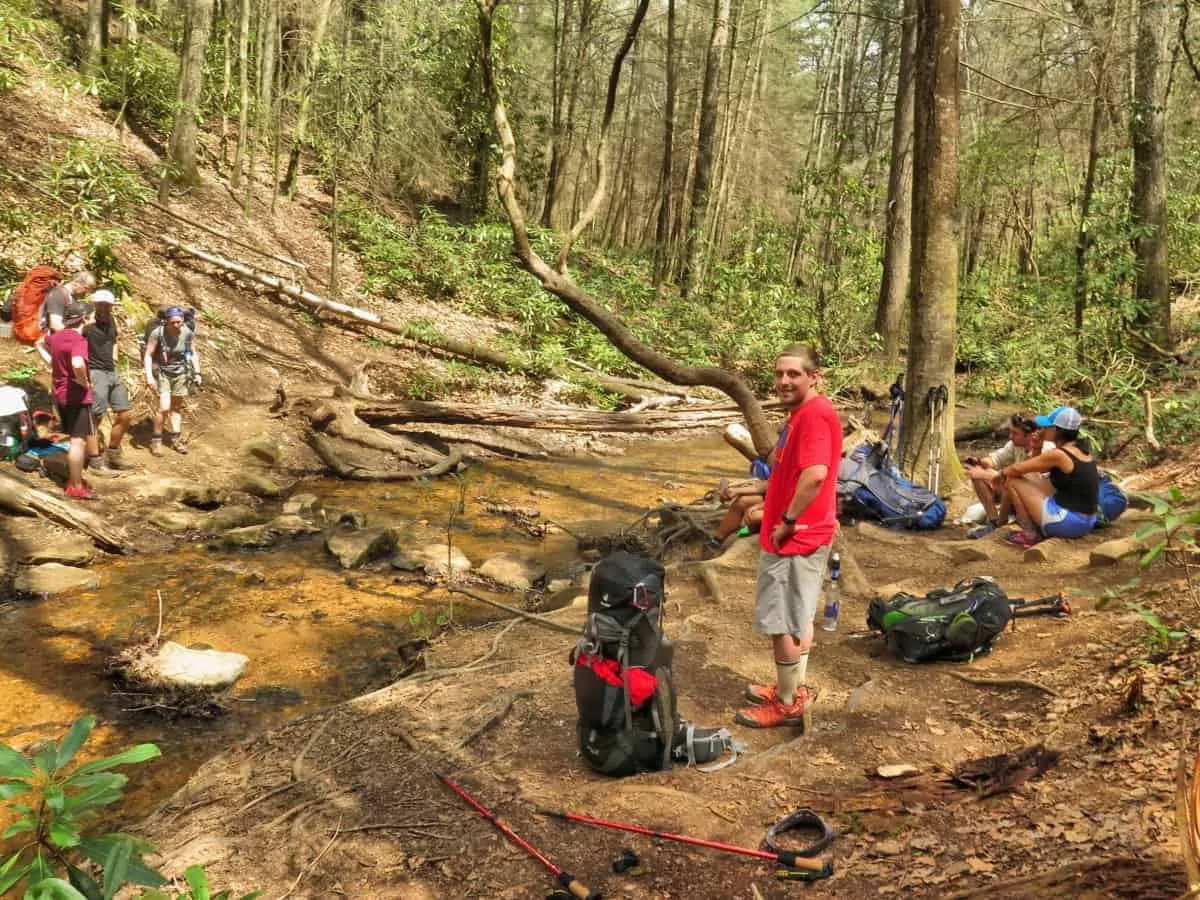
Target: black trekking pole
795	864
574	887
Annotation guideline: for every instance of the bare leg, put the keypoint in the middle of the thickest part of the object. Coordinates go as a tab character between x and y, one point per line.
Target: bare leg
987	496
75	453
736	515
1026	496
119	427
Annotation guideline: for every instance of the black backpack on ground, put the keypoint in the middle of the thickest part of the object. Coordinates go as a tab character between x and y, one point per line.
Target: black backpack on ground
628	721
948	623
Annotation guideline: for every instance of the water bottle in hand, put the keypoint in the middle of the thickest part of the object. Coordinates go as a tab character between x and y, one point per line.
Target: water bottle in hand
833	595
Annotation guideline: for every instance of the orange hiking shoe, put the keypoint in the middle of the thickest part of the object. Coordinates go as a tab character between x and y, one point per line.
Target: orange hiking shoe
775	715
768	693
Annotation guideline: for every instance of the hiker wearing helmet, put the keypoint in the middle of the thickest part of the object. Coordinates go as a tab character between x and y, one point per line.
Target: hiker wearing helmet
68	350
172	365
798	527
110	394
1063	505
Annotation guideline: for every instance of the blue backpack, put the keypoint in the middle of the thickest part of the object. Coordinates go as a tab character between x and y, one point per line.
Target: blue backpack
870	486
1112	501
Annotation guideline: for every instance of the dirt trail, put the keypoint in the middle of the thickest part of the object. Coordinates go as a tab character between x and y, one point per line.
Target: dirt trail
343	803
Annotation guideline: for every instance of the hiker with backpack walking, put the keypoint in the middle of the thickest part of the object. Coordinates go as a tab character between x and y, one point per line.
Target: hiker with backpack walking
109	392
1025	439
172	366
1064	504
798	527
40	302
72	384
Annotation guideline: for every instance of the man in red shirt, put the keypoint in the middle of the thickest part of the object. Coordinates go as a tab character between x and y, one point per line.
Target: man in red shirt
73	393
799	522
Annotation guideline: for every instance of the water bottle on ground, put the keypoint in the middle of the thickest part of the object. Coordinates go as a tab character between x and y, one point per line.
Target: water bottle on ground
833	594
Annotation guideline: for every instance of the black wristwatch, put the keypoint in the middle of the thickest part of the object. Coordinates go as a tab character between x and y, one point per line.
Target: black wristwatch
787	520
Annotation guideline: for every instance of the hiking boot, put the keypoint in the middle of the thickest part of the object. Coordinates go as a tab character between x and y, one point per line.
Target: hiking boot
176	442
98	468
1023	538
768	693
980	531
156	446
115	459
775	715
82	492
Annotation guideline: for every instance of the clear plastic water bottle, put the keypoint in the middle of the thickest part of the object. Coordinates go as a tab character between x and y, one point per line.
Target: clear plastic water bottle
833	594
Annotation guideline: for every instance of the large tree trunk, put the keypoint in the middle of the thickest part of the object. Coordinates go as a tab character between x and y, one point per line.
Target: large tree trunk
557	282
308	86
1149	203
181	149
697	234
931	339
897	250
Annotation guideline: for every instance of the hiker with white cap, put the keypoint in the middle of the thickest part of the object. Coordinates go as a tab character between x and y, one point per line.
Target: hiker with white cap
109	392
1063	505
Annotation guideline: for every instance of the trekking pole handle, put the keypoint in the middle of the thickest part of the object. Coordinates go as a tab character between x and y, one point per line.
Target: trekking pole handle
576	888
792	860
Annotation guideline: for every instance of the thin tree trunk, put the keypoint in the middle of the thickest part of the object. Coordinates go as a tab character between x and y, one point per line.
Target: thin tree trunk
697	249
897	249
935	235
662	229
93	45
181	148
1149	203
308	85
235	178
560	78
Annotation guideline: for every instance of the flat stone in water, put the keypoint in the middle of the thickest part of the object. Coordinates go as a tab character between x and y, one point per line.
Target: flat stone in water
183	667
276	695
512	571
70	550
355	548
54	578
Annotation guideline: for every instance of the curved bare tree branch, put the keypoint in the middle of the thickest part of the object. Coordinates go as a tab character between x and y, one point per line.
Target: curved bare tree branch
576	298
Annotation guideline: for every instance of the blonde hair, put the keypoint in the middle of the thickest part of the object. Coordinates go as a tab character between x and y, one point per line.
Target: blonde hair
803	352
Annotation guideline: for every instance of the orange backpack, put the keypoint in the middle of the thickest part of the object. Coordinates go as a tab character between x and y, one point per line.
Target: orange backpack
27	303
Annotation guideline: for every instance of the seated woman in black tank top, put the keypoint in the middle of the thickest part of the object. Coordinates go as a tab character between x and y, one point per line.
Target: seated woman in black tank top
1063	505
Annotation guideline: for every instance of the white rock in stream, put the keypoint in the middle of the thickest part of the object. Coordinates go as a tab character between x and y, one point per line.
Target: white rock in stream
178	666
432	558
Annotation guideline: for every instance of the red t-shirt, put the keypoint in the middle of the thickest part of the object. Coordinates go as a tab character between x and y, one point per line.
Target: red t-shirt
63	345
812	437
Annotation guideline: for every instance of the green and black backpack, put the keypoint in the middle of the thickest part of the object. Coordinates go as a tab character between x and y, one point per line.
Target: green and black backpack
948	623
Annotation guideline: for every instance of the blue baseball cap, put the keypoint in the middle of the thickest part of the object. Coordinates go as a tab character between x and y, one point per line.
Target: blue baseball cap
1065	417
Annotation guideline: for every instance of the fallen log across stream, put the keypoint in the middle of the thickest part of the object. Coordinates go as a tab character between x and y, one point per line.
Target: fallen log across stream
20	498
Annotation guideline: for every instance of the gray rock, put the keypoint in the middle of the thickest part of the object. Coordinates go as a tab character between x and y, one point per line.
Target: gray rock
70	550
181	666
432	558
263	448
54	578
512	571
405	563
256	485
259	537
356	548
201	496
232	516
176	521
353	518
306	505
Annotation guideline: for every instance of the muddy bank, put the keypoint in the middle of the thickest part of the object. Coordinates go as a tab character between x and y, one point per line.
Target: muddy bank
343	802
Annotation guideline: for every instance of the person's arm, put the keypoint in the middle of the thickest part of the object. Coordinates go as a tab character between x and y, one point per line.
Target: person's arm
56	323
194	360
42	349
148	361
1043	462
808	485
79	369
754	487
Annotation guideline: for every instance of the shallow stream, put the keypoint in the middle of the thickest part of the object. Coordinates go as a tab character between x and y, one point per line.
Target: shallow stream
315	634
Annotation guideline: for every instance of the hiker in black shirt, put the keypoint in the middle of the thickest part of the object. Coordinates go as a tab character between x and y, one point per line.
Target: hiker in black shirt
1063	505
109	390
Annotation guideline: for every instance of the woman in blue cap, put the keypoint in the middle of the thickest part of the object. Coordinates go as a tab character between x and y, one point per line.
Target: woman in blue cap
172	367
1063	505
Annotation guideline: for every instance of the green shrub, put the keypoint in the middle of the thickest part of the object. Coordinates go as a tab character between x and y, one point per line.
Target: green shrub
91	178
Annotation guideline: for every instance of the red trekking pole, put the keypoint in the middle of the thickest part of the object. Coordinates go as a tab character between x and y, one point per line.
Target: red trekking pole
798	865
566	879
